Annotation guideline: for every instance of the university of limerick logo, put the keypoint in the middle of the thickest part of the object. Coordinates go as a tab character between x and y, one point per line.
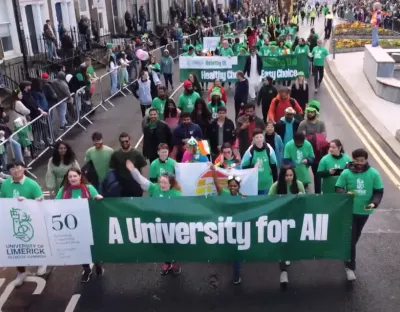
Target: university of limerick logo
23	229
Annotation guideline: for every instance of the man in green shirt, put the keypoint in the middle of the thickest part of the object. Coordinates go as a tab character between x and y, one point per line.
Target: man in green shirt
265	48
190	52
319	53
160	101
299	154
100	156
21	187
163	164
365	183
188	98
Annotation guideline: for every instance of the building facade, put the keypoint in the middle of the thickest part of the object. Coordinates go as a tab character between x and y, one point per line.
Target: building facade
9	44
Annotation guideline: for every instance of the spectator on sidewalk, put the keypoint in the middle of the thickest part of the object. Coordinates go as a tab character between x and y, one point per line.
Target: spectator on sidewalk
100	155
62	160
142	19
51	40
48	91
127	185
67	44
167	69
61	88
38	95
142	91
155	132
113	75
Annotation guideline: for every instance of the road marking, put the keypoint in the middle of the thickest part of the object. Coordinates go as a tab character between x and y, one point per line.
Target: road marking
72	303
172	94
41	283
2	280
369	142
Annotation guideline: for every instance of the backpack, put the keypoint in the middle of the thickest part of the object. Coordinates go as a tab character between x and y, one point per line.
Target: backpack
267	149
319	144
291	101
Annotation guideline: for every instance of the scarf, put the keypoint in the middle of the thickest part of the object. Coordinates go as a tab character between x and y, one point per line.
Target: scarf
67	194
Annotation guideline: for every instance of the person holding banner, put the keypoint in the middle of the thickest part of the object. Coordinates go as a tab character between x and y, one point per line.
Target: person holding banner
262	156
232	190
21	187
365	183
166	187
76	186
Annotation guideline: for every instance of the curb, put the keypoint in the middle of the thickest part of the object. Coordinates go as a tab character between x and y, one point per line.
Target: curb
389	138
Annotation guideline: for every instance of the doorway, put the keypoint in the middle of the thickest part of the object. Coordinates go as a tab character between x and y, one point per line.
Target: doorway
32	30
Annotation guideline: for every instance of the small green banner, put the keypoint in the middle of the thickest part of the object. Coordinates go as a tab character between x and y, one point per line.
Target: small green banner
201	229
208	68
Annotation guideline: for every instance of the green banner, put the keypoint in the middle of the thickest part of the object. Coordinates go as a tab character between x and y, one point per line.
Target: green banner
285	67
201	229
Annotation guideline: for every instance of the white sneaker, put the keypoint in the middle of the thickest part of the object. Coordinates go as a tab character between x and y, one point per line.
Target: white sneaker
316	90
284	278
41	270
351	276
287	263
19	280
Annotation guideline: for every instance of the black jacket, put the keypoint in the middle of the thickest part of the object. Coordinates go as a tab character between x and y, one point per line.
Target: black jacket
247	65
153	137
280	128
266	95
30	103
241	92
229	135
243	134
49	93
300	94
90	173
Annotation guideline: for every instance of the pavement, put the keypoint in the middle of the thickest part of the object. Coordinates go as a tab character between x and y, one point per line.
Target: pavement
314	285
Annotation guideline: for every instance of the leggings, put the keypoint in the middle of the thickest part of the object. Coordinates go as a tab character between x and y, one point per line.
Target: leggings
168	78
318	75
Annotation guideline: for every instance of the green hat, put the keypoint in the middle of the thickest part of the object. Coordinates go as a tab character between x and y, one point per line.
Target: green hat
216	91
109	45
300	73
313	106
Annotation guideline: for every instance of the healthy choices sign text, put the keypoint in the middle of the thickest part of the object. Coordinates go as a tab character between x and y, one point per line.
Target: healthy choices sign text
208	68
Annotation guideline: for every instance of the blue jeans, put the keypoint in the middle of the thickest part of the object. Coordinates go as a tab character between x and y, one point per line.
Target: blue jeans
49	48
375	37
16	152
62	111
114	82
263	192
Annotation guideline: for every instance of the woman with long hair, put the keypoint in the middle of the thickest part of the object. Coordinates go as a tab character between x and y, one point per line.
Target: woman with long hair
233	189
166	187
332	165
171	114
275	141
195	83
60	163
114	74
38	95
201	116
287	184
76	186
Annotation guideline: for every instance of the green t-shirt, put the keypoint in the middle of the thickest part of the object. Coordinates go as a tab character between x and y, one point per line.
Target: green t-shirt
265	50
76	193
100	159
297	155
319	54
259	44
362	184
155	191
186	102
27	188
226	192
300	50
159	104
274	188
158	168
226	52
187	54
264	170
213	109
329	162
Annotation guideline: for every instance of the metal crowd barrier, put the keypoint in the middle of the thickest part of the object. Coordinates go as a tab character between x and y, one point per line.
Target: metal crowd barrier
38	136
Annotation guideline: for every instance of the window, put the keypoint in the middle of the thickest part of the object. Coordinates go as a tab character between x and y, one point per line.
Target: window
5	37
147	9
82	5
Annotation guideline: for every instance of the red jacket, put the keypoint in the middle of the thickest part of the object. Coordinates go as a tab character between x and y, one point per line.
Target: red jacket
223	98
276	112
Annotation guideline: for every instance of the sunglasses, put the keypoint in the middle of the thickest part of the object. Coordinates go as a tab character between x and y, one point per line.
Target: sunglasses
124	141
236	178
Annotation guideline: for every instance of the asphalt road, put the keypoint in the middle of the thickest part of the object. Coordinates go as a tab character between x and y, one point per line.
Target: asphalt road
314	285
